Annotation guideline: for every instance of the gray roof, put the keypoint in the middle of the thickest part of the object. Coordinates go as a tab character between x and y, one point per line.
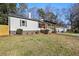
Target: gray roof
22	17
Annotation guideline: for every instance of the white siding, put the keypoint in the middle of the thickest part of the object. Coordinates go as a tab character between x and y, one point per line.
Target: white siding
14	24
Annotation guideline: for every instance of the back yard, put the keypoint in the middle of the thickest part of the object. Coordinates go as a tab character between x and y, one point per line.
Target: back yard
40	44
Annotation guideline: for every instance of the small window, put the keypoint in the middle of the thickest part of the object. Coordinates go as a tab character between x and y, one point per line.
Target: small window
23	23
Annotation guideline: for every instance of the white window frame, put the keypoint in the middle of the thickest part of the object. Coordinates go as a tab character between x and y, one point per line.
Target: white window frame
21	23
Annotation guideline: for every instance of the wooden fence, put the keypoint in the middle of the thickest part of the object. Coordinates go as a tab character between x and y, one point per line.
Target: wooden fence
4	30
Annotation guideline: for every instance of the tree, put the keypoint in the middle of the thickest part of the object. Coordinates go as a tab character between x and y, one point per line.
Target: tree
5	9
23	6
11	8
41	13
50	16
21	9
74	17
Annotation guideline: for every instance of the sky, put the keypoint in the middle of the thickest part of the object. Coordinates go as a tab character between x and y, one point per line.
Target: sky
43	5
52	5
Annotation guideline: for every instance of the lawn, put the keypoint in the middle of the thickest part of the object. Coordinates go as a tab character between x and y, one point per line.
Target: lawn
40	44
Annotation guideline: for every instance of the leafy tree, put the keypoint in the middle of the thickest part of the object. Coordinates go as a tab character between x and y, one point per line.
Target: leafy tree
11	7
5	9
41	13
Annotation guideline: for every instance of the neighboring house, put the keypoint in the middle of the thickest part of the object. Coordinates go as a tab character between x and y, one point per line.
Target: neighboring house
26	24
61	29
69	27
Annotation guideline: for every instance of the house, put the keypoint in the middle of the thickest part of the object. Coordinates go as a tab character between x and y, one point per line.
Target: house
61	29
28	25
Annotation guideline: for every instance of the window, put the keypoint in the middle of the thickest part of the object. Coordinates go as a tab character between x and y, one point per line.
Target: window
23	23
42	25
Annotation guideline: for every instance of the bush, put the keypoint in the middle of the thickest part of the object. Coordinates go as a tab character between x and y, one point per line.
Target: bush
54	31
76	31
19	31
44	31
37	32
1	21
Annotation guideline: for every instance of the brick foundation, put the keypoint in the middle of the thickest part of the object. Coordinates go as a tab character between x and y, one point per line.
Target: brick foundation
25	32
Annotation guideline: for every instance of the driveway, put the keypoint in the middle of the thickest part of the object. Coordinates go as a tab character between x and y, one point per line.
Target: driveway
69	34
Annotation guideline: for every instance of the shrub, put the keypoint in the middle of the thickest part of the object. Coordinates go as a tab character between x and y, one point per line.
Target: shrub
37	32
19	31
44	31
76	31
69	30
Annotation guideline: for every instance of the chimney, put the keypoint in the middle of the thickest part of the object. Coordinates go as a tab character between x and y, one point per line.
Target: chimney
29	15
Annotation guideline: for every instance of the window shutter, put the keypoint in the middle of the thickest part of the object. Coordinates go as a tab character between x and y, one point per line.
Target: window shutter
26	23
20	22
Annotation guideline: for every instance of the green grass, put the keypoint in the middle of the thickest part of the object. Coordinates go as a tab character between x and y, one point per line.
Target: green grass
39	45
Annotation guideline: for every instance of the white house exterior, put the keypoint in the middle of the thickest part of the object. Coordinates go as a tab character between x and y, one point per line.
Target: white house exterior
27	25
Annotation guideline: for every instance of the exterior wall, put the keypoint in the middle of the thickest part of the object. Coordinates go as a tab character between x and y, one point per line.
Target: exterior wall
14	24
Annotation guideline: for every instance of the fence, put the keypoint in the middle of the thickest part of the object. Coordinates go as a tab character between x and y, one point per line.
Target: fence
4	30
